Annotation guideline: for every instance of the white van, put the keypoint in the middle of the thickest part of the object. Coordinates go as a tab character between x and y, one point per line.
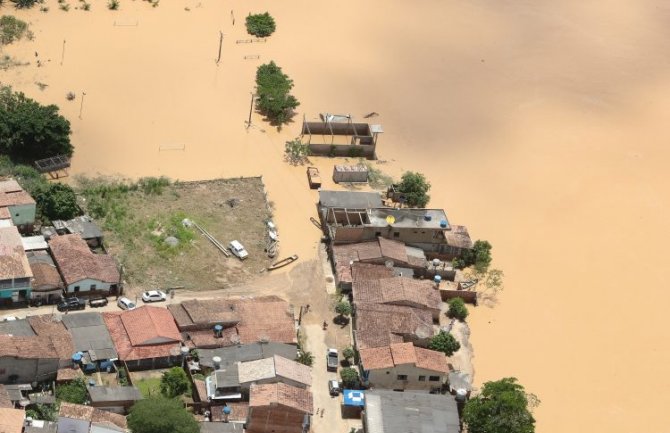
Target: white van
237	249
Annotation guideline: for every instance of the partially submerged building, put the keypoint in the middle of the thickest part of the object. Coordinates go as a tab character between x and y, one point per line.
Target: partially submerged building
16	205
84	272
403	412
15	272
339	135
403	366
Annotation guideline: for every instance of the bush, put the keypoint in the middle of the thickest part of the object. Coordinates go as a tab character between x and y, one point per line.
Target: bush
174	382
349	377
161	415
273	88
30	131
343	309
113	5
479	256
414	187
501	407
56	201
11	29
349	352
296	152
24	4
457	309
305	358
261	25
445	343
72	392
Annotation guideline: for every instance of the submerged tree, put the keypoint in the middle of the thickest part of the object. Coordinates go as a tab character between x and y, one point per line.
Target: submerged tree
503	406
273	88
445	343
261	25
414	187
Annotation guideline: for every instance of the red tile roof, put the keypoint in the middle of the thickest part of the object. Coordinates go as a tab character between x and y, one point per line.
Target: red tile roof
11	420
91	414
458	237
398	291
50	327
379	250
274	394
238	412
122	338
27	347
207	339
394	250
366	271
5	401
380	325
293	370
46	277
11	194
403	353
77	262
150	325
68	374
4	213
13	260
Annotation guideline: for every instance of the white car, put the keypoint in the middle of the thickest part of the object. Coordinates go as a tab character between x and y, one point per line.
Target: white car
237	249
154	296
126	304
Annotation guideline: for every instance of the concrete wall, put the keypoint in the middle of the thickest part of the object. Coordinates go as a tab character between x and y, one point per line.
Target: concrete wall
344	150
468	296
27	370
388	378
23	214
86	286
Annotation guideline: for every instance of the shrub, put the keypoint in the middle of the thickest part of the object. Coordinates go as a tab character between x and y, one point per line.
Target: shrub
11	29
113	5
305	358
273	88
161	415
72	392
349	352
479	256
349	377
24	4
261	25
343	309
174	382
57	201
457	309
296	152
445	343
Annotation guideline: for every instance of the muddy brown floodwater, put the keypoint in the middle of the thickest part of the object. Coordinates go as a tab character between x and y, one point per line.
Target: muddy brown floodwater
541	125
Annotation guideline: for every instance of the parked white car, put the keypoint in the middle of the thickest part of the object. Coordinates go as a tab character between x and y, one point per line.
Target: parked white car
126	304
237	249
154	296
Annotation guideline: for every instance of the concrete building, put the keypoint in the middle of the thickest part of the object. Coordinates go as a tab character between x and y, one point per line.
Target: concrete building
349	199
279	408
274	370
403	412
84	272
403	367
116	399
245	352
16	205
15	272
27	359
145	338
91	337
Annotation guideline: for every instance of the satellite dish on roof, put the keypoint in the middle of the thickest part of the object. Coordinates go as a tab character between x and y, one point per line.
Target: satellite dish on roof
388	263
390	219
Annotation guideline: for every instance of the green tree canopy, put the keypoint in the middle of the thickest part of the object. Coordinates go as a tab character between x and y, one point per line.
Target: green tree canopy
305	358
457	309
161	415
349	352
72	392
349	377
261	25
174	382
56	201
445	343
479	257
414	187
273	88
501	407
30	131
343	308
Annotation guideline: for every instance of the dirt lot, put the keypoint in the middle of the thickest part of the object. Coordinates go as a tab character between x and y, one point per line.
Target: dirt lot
138	223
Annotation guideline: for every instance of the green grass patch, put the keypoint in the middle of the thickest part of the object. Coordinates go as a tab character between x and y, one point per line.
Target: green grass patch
150	387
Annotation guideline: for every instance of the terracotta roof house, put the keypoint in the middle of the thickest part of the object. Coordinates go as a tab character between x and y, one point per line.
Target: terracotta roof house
407	292
11	420
47	284
27	359
380	252
378	325
52	327
77	418
83	271
402	412
16	205
145	337
272	370
365	272
15	272
243	321
279	408
403	366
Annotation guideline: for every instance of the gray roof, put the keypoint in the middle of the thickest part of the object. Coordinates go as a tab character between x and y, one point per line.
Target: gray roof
221	427
410	412
18	328
114	393
39	426
246	352
89	334
83	225
227	377
350	199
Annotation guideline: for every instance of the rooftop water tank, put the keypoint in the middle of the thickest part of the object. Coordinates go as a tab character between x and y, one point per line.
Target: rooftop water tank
443	224
427	217
461	395
217	362
437	279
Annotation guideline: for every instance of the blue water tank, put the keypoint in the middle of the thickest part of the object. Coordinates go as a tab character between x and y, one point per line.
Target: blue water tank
437	279
443	224
427	217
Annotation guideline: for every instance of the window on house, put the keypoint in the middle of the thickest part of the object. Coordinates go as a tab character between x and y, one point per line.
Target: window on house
422	378
434	378
377	234
76	289
94	286
402	377
396	234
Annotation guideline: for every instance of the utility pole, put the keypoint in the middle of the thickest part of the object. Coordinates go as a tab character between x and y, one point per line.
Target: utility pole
81	107
62	55
218	59
251	109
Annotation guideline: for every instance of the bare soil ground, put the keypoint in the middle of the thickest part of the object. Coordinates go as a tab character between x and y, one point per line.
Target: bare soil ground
198	264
